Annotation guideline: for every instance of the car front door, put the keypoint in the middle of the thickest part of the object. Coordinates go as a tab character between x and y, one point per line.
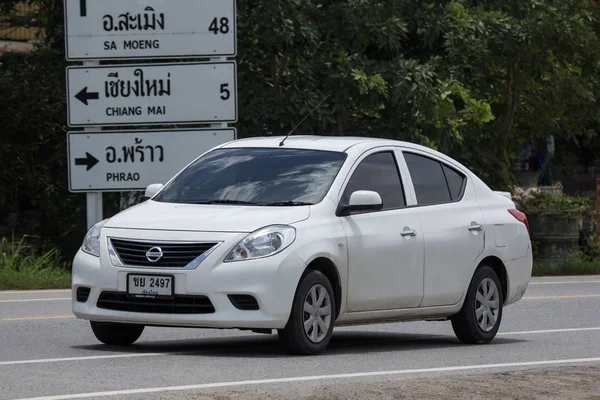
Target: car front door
385	247
453	227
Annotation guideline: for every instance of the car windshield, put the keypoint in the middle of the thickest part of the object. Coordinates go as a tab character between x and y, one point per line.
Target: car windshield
256	176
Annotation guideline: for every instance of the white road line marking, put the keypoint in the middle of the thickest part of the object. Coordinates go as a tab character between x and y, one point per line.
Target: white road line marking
50	360
581	296
34	291
315	378
550	331
560	282
524	298
38	318
28	300
128	355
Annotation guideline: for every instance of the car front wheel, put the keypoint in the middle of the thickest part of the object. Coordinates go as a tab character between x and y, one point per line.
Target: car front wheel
310	326
479	319
116	334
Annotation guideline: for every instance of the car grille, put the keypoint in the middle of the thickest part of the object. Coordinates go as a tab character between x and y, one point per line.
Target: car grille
119	301
175	255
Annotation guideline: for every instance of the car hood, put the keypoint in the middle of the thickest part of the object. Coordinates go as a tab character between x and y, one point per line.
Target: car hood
202	217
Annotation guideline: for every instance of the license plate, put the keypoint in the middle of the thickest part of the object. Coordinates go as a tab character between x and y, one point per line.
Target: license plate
150	286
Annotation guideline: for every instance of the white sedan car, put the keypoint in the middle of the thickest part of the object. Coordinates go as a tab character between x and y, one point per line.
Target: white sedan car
300	236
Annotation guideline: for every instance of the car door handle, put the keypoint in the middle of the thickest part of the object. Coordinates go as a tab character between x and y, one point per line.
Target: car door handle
475	228
409	233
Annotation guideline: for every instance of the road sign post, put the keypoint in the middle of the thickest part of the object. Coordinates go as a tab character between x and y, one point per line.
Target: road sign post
94	200
146	94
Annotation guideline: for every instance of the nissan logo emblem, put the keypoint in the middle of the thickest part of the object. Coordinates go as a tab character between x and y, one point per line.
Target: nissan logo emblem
154	254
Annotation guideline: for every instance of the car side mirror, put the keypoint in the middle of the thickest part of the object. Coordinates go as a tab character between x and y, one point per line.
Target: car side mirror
153	189
362	201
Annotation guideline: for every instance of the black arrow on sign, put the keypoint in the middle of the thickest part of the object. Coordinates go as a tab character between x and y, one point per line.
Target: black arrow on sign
83	8
89	160
84	96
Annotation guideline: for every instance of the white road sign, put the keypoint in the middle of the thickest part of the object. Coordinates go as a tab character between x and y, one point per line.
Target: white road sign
134	29
152	94
132	160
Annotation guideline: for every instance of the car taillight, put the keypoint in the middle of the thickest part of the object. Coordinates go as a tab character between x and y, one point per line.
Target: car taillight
521	217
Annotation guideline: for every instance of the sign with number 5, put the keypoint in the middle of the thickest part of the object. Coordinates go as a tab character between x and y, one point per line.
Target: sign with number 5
152	94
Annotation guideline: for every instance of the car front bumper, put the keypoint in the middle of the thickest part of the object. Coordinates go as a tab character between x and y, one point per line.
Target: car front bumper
272	281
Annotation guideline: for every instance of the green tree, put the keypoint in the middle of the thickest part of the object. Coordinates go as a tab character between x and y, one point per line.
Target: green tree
470	78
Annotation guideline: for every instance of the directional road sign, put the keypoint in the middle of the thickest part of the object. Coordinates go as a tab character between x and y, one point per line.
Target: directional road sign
132	160
134	29
152	94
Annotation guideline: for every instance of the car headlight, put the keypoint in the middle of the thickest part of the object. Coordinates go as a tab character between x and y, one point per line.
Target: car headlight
264	242
91	242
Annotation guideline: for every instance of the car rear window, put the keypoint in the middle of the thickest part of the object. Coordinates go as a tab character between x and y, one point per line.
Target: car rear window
456	182
429	180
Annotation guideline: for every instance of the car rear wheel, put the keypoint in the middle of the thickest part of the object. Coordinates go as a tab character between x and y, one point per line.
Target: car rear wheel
116	334
479	319
310	326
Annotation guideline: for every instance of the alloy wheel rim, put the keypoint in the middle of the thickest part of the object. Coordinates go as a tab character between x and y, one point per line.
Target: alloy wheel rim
487	304
317	313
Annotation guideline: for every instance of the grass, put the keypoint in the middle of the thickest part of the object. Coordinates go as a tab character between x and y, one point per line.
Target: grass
575	267
22	269
29	280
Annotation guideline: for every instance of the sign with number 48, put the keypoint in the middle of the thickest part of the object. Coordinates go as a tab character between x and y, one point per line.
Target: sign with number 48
144	29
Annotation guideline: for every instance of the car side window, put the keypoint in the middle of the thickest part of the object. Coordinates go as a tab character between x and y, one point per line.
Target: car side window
379	173
456	182
428	180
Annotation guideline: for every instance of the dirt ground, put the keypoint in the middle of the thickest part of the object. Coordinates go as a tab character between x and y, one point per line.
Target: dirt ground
560	383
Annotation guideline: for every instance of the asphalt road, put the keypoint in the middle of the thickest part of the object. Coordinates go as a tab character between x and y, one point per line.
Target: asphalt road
45	352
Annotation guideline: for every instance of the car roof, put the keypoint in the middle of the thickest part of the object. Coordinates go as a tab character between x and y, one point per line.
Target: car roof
340	144
308	142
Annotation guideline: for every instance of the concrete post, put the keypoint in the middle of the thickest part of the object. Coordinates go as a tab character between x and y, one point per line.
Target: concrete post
598	207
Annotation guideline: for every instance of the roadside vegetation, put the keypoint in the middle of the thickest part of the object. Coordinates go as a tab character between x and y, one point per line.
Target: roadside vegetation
575	267
583	261
22	268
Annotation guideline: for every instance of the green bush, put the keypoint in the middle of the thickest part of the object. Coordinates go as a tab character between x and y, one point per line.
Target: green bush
536	202
576	267
21	267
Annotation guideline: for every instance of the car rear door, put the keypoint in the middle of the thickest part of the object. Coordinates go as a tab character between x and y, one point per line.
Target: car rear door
452	224
385	248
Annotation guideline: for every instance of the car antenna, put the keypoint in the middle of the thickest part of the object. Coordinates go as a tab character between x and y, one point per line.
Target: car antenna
300	123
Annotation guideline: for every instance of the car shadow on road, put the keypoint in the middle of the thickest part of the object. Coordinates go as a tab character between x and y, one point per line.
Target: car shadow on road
268	346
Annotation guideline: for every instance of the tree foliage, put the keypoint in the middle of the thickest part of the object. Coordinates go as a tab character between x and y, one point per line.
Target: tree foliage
472	78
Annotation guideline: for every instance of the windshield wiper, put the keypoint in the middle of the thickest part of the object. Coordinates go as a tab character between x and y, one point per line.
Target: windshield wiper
226	201
288	203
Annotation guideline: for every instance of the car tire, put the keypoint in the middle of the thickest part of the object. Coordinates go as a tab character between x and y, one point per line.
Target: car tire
314	287
116	334
473	325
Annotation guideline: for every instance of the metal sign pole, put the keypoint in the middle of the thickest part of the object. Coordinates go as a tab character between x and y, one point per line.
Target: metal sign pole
94	209
221	124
